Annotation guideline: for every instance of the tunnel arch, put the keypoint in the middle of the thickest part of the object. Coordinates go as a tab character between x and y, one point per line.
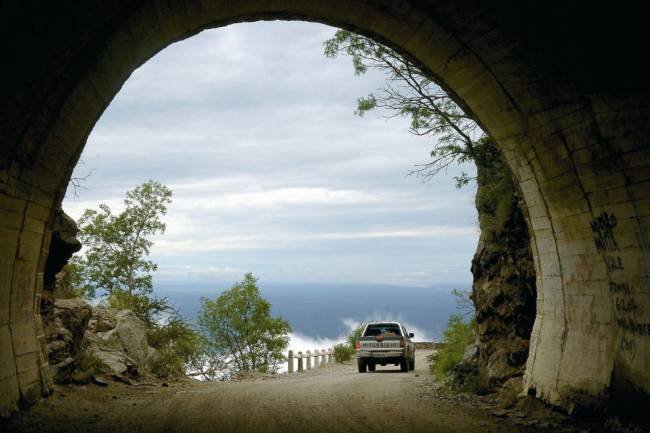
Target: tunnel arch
579	154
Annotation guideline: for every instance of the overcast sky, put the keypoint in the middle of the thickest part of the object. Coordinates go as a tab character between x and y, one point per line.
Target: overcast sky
253	129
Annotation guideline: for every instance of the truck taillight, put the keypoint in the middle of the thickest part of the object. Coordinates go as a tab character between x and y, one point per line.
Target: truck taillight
401	342
357	345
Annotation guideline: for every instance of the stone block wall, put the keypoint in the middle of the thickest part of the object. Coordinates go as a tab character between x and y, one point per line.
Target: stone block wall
23	365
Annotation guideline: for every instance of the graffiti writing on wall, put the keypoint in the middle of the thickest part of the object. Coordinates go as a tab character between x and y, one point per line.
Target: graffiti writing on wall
602	228
627	307
634	327
619	287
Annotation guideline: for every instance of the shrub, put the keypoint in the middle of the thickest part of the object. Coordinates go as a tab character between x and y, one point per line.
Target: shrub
343	352
88	365
355	335
167	364
456	337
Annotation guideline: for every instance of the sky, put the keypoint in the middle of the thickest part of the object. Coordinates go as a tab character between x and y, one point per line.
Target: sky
254	131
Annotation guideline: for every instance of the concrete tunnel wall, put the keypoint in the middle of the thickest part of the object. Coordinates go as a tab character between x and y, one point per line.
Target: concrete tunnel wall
574	133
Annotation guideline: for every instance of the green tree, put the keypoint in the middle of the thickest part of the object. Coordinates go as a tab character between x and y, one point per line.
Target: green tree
409	92
238	326
114	265
69	282
114	261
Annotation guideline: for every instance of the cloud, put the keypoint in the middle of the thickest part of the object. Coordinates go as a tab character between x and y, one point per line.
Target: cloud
279	197
270	169
399	233
266	241
302	343
202	272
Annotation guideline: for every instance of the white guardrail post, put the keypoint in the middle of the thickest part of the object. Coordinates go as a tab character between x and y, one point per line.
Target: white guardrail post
321	358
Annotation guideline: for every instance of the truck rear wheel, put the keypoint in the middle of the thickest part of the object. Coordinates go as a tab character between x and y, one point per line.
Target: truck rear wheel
404	365
412	364
361	363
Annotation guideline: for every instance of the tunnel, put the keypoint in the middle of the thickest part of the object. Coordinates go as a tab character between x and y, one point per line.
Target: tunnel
560	86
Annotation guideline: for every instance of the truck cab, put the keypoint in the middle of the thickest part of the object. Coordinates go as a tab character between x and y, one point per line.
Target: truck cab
385	343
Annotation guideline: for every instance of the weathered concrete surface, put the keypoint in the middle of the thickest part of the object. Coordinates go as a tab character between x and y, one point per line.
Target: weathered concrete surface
566	102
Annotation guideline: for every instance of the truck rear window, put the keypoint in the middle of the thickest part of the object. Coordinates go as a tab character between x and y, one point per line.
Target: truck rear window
390	329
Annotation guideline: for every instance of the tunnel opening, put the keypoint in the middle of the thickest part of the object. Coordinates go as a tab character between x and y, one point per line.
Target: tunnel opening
503	271
273	170
577	151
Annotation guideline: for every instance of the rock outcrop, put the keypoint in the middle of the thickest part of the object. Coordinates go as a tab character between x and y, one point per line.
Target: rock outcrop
65	327
64	320
63	245
503	271
114	340
118	339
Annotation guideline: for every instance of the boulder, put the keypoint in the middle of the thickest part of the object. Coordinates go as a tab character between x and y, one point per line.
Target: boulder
469	363
118	339
465	373
499	369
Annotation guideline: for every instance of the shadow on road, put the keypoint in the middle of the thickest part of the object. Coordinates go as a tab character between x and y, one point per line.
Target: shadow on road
385	371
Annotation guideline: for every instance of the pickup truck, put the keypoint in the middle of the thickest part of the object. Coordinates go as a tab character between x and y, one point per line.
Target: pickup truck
385	343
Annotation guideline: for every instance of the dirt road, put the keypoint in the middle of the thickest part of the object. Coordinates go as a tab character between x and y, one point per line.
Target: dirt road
331	399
